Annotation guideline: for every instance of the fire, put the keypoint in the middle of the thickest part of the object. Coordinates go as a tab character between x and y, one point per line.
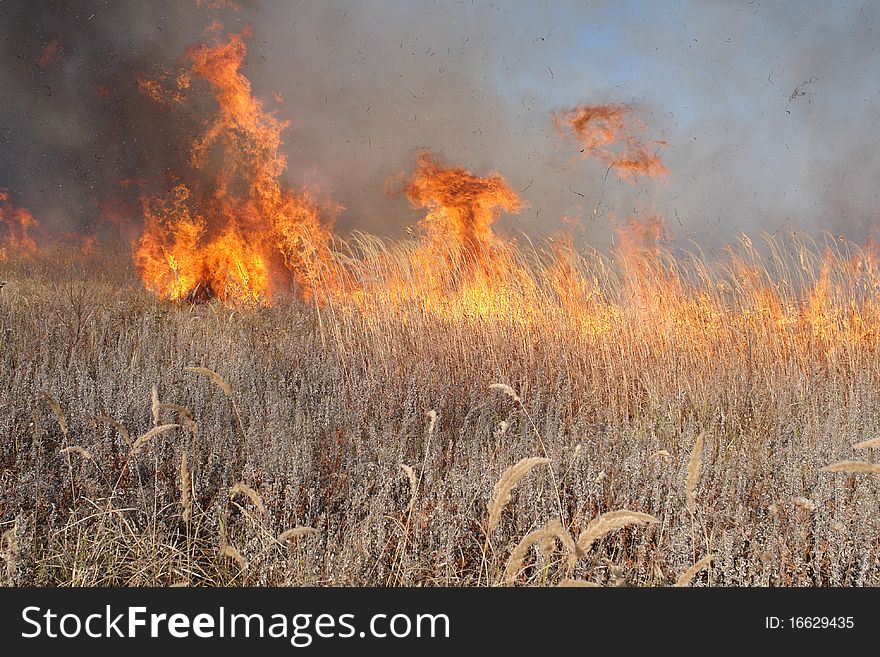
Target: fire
16	225
460	267
229	229
243	236
461	210
600	127
49	53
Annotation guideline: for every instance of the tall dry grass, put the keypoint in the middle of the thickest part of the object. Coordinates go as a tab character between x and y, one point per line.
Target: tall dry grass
272	451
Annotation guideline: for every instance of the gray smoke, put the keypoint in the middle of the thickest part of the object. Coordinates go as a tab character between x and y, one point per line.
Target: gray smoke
367	84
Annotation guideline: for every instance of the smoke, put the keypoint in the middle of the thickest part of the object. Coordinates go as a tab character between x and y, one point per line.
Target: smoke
366	85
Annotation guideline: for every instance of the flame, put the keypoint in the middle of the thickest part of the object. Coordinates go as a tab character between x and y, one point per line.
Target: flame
245	236
49	54
166	89
600	127
229	229
460	267
15	227
461	210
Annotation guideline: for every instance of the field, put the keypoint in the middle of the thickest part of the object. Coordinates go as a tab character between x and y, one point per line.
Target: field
208	383
703	396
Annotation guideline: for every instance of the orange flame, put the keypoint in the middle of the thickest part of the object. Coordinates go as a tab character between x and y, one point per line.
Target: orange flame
249	236
460	268
461	210
15	224
49	53
600	127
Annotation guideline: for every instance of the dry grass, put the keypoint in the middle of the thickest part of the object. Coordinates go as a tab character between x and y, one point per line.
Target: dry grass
710	412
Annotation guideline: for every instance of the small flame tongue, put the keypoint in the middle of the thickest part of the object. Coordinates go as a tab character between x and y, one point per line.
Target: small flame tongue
610	133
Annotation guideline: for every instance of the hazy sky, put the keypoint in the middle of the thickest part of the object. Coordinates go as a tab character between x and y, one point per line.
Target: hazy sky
365	84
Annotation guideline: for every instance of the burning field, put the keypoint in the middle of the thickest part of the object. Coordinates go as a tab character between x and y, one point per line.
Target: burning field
213	384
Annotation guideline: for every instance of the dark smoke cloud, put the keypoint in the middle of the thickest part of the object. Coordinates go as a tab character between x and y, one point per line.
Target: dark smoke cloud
367	84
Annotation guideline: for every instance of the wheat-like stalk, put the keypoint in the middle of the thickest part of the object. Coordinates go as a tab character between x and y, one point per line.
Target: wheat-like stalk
183	411
576	583
505	485
693	474
296	532
546	538
120	428
56	409
218	380
185	486
660	453
505	389
688	575
221	383
873	443
852	466
413	484
610	522
155	407
254	497
152	433
227	550
76	449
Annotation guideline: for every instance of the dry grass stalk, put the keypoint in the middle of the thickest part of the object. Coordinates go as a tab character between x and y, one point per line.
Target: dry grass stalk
576	583
852	466
152	433
218	380
508	481
505	389
227	550
296	532
183	411
254	497
185	488
221	383
546	538
120	428
660	453
873	443
413	485
688	575
76	449
56	409
693	474
610	522
9	545
155	406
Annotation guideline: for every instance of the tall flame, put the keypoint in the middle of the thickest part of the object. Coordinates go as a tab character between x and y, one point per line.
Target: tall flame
461	267
244	236
461	210
16	225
